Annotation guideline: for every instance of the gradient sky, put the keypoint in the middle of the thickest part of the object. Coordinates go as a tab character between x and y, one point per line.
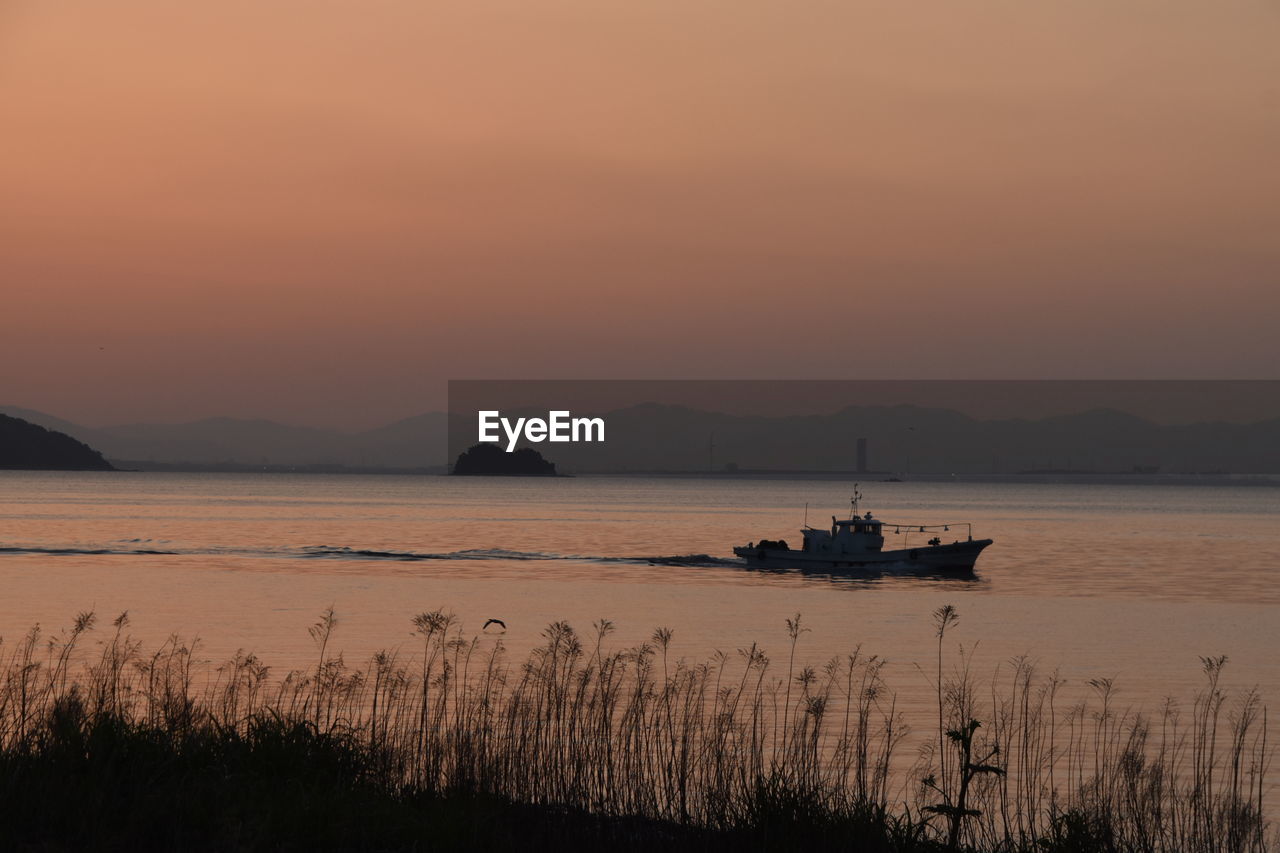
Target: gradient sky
317	211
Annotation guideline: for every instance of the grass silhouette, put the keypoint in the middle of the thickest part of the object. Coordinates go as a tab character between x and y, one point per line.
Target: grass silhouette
452	746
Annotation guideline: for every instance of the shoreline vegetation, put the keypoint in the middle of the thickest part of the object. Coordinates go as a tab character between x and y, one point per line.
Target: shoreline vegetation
449	745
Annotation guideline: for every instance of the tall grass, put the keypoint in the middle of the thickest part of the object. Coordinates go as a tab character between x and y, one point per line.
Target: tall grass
731	747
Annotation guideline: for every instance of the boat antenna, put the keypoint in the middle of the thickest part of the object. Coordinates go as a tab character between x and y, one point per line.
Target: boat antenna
806	514
857	496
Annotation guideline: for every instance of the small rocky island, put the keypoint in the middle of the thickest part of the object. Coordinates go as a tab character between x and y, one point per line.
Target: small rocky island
26	446
493	460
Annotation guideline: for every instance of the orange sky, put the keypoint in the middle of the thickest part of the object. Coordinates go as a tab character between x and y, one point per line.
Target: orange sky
317	211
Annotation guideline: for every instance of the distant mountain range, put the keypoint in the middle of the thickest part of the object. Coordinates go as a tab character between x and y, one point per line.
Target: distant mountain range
413	443
658	437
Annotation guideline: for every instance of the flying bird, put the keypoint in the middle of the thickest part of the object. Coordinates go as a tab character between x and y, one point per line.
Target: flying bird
498	622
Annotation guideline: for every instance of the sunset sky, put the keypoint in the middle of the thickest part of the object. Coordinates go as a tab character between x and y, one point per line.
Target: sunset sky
317	211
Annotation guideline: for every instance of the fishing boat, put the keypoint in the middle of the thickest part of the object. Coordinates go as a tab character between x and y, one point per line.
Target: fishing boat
857	543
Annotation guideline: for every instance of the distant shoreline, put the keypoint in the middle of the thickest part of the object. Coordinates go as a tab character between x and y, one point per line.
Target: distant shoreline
1092	478
865	477
136	466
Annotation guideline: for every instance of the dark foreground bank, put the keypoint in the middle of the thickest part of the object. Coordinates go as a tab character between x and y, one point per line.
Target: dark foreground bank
576	747
109	785
106	784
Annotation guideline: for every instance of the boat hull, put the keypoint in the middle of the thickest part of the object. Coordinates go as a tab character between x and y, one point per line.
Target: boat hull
956	557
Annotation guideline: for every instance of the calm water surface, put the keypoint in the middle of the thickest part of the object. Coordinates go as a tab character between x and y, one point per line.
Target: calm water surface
1131	582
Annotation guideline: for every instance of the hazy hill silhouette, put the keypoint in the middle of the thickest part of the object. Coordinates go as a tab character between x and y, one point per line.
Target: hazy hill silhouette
492	459
422	438
28	446
416	442
47	421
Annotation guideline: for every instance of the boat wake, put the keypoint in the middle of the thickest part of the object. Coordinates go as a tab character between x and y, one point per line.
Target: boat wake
693	560
80	551
343	552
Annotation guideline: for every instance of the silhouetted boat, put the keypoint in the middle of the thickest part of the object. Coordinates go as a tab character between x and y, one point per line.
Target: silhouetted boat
858	543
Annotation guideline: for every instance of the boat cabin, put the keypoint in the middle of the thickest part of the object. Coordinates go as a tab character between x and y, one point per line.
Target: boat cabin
857	535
